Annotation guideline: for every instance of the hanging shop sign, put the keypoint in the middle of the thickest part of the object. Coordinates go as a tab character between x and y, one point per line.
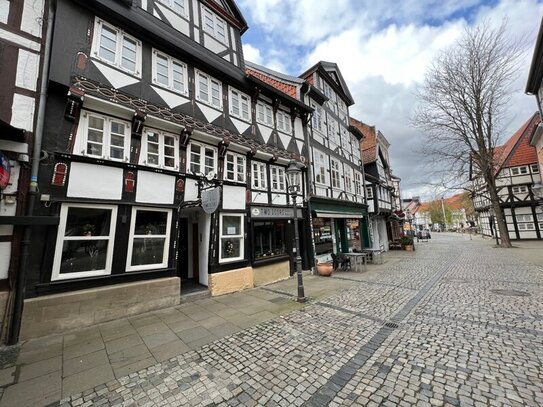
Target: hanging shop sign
211	198
5	171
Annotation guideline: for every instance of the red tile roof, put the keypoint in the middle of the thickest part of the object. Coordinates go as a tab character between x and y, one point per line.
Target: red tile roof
517	150
281	86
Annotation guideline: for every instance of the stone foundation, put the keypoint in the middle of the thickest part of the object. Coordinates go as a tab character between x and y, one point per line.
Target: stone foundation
231	281
271	273
77	309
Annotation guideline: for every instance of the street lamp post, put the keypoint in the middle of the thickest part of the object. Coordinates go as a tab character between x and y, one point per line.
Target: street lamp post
294	176
443	210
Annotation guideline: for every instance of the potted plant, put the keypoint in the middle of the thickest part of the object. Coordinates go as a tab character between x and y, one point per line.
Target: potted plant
324	268
407	243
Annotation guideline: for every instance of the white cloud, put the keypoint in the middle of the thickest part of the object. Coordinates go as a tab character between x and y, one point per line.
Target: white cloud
251	53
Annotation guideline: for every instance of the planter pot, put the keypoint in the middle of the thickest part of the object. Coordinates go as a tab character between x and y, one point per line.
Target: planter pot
409	248
325	269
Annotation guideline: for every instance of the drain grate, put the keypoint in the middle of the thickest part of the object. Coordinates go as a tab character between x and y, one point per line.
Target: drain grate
392	325
511	293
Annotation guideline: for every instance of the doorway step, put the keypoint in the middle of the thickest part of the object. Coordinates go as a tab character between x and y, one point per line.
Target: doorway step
192	291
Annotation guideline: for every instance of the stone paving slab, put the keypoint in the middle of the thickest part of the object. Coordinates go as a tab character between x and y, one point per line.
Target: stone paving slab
424	328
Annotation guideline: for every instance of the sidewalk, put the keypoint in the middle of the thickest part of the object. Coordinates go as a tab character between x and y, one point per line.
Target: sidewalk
45	370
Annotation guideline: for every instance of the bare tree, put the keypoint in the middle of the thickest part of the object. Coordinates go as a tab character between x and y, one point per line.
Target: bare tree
462	104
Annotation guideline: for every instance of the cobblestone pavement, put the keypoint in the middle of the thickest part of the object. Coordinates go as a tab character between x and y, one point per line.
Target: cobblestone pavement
455	323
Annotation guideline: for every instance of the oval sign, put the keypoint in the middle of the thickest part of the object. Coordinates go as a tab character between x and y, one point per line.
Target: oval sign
5	171
210	199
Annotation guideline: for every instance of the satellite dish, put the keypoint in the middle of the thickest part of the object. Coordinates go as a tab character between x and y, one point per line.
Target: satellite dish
210	175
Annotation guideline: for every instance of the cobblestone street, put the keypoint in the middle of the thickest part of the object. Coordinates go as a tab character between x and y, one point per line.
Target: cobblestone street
457	323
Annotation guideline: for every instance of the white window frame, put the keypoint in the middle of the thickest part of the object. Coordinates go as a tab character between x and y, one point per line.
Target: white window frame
178	6
333	132
240	101
535	168
201	164
237	174
369	192
335	173
283	122
264	114
318	118
83	139
348	179
240	237
519	170
166	251
121	36
320	167
61	238
521	189
358	184
213	25
162	135
356	149
172	63
278	179
212	84
259	178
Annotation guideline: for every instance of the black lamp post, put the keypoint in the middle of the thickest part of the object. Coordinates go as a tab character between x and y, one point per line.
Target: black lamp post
294	177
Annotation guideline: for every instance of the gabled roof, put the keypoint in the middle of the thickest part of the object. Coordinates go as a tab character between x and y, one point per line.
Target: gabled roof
330	71
229	10
517	150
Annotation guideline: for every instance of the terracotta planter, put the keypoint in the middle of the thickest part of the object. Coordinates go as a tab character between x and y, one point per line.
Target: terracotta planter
409	248
325	269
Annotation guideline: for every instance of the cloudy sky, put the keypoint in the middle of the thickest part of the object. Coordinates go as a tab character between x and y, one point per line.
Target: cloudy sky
382	49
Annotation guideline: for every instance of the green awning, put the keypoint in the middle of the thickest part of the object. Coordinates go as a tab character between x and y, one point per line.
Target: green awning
337	209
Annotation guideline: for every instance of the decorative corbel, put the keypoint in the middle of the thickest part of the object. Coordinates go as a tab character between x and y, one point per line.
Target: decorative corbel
306	117
184	137
137	123
275	105
223	146
273	159
256	95
252	152
294	112
74	102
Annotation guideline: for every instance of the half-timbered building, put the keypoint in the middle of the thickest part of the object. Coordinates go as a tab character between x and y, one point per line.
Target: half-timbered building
517	173
379	188
165	163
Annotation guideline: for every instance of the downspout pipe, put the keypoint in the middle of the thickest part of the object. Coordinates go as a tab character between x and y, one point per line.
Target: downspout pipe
33	187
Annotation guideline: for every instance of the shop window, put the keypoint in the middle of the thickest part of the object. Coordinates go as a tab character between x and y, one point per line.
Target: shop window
116	48
231	238
103	137
234	167
160	149
270	239
322	235
149	240
85	241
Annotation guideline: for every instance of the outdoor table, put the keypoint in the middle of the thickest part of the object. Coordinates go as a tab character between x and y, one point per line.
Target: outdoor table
373	253
357	259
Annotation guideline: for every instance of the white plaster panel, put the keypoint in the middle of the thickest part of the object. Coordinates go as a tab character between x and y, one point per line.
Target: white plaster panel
204	226
17	39
22	112
260	197
210	113
27	70
523	211
279	199
144	4
300	145
235	59
233	36
155	188
5	257
233	197
94	181
197	35
528	235
116	78
191	190
298	128
320	191
6	230
265	131
170	98
16	147
240	125
213	45
177	22
32	17
4	11
196	16
285	139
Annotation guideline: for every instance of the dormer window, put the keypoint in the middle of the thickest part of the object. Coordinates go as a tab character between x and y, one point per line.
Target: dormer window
214	25
208	90
115	47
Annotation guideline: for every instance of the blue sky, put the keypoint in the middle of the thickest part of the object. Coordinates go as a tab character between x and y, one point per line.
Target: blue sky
382	49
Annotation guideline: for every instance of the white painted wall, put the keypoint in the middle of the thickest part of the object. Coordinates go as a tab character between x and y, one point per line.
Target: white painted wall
4	11
94	181
155	188
233	197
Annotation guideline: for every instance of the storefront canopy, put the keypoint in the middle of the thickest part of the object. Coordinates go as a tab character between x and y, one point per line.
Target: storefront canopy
344	210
